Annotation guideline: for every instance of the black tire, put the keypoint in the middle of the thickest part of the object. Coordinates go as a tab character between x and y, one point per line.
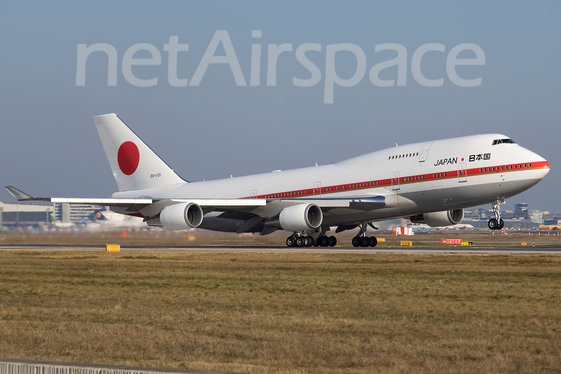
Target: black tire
324	241
332	241
299	241
364	241
290	241
372	241
501	224
493	224
356	241
308	241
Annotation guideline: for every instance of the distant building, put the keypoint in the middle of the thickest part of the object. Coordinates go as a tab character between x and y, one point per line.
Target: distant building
551	219
507	215
25	214
475	214
14	214
536	216
521	211
74	213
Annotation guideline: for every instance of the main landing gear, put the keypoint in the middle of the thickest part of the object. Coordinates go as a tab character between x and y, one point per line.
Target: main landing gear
299	241
320	240
496	223
361	240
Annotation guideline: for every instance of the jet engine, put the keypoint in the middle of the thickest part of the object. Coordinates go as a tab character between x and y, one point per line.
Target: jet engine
439	219
181	216
298	218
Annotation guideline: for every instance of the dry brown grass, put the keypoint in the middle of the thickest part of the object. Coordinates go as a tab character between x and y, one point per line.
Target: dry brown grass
284	312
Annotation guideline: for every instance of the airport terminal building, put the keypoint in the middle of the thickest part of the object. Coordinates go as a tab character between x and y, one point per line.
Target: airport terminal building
17	215
13	215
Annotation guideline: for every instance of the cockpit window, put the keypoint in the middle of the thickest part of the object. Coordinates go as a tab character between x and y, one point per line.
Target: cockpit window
503	141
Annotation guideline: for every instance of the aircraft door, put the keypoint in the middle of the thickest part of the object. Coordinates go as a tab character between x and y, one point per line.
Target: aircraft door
424	152
317	188
462	173
395	181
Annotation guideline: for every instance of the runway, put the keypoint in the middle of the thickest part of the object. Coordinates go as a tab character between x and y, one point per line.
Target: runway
443	250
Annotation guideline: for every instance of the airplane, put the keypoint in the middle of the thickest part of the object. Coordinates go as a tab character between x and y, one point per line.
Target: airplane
428	182
107	219
102	220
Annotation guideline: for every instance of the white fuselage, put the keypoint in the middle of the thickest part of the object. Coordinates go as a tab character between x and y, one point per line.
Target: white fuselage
417	178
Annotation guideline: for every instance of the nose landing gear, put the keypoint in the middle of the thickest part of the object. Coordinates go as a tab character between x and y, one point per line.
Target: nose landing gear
496	223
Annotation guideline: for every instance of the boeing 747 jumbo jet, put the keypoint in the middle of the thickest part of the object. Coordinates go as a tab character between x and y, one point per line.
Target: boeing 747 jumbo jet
430	182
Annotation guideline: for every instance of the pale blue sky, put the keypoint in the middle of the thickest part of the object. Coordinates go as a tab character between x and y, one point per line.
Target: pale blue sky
49	146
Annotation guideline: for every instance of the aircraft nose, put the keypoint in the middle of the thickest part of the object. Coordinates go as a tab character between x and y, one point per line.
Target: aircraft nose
542	169
540	166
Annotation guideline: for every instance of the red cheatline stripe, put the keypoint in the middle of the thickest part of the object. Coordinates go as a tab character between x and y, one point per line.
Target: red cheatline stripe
404	180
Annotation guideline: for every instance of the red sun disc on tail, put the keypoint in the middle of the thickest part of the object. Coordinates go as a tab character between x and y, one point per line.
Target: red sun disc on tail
128	157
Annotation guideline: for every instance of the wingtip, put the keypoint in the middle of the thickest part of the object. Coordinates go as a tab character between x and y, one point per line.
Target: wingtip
18	194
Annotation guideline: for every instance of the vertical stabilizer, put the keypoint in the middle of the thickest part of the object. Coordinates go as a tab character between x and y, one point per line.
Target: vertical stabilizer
135	166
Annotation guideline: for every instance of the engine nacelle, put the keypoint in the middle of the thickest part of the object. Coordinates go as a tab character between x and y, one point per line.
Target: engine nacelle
181	216
440	219
299	218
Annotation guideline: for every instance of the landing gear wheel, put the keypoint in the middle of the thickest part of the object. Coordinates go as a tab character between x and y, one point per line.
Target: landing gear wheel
364	241
299	241
361	240
497	223
501	224
290	241
332	241
324	241
308	241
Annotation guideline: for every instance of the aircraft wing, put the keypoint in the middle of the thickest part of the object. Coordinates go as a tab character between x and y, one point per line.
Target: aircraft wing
271	207
264	208
147	207
22	196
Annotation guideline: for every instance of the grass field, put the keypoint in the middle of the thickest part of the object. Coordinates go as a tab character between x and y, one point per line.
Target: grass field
279	312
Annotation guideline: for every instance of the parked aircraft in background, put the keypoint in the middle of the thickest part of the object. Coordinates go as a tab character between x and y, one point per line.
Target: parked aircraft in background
429	182
103	219
109	219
